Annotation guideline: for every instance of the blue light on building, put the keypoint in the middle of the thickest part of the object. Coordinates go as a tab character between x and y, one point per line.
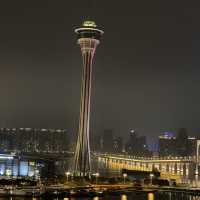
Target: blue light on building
13	166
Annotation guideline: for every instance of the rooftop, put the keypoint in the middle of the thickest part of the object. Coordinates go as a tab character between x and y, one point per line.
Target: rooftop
89	24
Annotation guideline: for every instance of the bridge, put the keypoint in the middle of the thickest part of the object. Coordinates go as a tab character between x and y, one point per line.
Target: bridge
185	166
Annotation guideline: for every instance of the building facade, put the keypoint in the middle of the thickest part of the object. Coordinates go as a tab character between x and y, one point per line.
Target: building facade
32	140
137	145
180	145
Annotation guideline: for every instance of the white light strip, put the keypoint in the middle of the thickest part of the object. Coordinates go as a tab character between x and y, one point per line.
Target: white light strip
2	156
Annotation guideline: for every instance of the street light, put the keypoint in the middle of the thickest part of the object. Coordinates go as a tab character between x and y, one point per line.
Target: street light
151	177
96	176
67	174
125	176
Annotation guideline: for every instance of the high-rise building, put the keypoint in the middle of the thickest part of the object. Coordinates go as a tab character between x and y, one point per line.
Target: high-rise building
108	140
32	140
180	145
88	38
118	144
167	144
136	145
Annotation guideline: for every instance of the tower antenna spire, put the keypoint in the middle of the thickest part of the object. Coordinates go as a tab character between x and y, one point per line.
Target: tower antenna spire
90	14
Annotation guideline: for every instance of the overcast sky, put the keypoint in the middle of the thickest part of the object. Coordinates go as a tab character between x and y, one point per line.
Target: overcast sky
146	71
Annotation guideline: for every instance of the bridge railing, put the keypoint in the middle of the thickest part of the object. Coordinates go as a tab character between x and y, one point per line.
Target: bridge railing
185	158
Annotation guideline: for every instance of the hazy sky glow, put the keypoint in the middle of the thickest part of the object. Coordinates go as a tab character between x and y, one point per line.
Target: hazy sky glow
146	72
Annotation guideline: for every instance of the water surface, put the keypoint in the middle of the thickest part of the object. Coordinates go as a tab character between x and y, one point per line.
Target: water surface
133	196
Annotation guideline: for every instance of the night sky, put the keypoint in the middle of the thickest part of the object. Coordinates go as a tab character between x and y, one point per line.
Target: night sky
146	70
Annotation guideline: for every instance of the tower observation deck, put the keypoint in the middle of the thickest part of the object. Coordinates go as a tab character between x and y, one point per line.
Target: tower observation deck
88	36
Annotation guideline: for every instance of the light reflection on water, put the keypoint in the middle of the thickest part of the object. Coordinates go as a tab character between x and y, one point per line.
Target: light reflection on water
133	196
123	197
151	196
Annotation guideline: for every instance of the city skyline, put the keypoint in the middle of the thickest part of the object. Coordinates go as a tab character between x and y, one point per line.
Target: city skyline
85	114
145	76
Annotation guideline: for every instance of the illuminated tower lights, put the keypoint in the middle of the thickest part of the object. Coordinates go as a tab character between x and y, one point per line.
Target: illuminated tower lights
88	38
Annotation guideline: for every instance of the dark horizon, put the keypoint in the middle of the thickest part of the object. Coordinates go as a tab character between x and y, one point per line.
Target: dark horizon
146	70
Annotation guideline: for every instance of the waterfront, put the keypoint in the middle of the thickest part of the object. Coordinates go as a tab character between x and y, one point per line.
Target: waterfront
132	196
